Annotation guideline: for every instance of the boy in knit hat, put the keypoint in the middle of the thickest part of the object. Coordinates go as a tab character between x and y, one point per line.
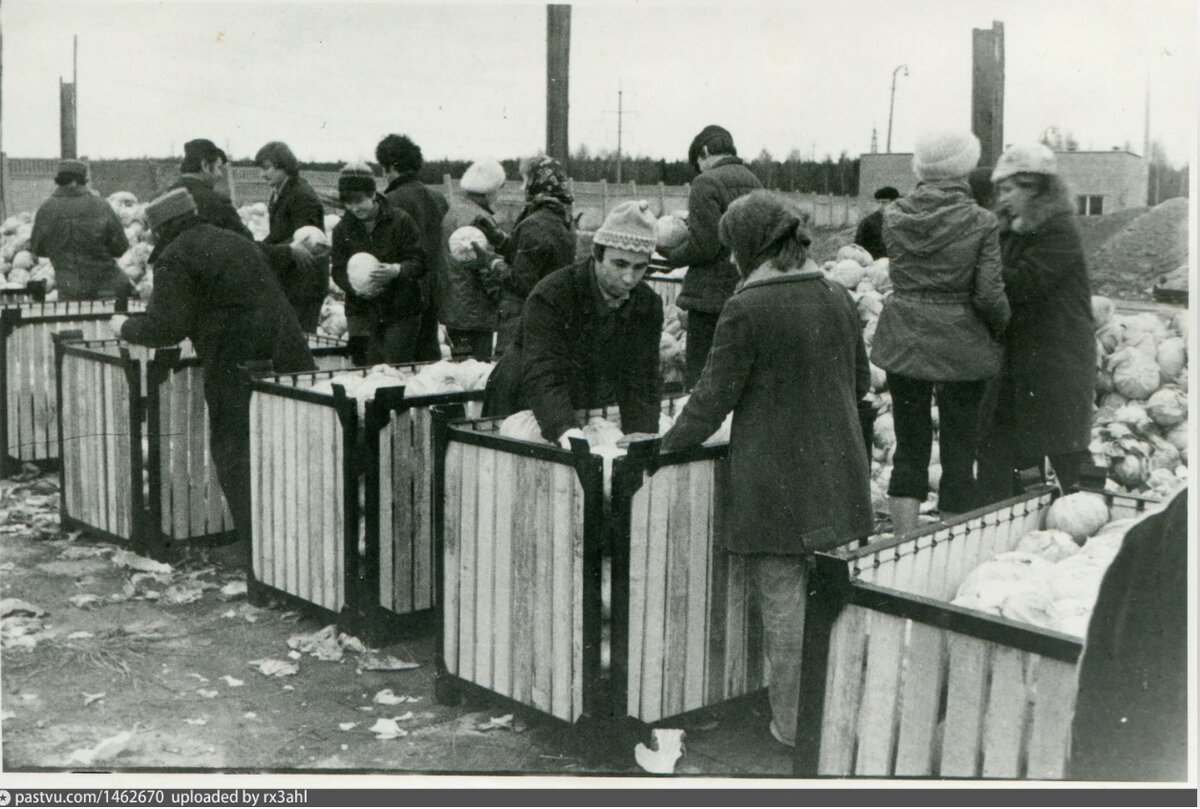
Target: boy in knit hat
588	337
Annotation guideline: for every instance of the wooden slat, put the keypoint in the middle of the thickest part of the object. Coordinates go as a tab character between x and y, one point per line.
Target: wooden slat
12	388
699	551
181	397
877	716
1004	722
843	692
111	467
1052	714
317	465
504	583
279	471
301	505
654	617
921	694
956	561
563	589
256	476
421	442
336	539
403	517
392	592
485	574
95	444
289	497
679	537
638	559
197	456
524	576
467	562
125	454
543	602
66	415
577	604
939	560
25	441
37	438
737	605
161	433
965	705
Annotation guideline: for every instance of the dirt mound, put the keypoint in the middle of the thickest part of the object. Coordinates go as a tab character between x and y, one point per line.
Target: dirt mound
1152	245
1096	231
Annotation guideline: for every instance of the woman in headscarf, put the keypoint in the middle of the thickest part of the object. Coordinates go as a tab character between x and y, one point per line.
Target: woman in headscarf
542	241
798	469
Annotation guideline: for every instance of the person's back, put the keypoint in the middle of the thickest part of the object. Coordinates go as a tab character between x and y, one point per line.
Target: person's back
81	235
229	303
465	302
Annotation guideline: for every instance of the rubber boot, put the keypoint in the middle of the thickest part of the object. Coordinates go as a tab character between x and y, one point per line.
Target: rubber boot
905	511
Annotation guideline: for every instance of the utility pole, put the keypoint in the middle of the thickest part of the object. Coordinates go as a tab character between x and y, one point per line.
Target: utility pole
987	91
3	158
68	109
892	106
558	70
874	140
620	110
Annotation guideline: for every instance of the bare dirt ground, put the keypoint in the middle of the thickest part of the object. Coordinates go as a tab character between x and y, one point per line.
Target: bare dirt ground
174	673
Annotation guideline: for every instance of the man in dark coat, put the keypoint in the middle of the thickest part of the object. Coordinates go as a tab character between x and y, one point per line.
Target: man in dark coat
1131	711
589	337
711	275
215	289
401	160
81	235
202	167
869	234
294	205
390	314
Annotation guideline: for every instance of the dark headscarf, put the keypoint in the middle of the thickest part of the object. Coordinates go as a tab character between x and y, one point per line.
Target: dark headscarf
546	178
756	225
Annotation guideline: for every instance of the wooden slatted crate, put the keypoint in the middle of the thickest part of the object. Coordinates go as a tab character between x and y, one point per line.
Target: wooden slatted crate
154	494
343	499
28	402
666	286
520	539
33	292
897	682
687	633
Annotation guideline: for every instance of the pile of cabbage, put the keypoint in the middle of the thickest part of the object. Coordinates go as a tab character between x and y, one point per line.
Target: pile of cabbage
1140	430
421	380
672	346
17	263
257	219
1051	578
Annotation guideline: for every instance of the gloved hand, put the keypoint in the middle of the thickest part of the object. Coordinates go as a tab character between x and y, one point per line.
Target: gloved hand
564	440
495	236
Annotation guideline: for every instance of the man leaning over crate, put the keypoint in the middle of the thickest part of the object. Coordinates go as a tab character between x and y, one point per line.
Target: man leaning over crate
214	288
589	337
711	275
82	237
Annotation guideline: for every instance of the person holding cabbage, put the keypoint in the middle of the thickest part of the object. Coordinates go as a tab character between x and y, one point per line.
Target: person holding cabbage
1046	389
378	260
938	332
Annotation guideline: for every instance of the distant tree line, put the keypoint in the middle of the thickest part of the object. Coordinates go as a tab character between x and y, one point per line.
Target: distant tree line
795	173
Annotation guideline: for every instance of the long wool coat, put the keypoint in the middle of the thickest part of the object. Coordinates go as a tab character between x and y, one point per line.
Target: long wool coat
1048	385
788	359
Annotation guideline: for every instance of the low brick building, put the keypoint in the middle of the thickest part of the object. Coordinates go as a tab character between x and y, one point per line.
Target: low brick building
1102	182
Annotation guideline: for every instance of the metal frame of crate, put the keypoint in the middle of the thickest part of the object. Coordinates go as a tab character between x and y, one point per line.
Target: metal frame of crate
899	682
33	292
306	447
666	286
28	407
155	496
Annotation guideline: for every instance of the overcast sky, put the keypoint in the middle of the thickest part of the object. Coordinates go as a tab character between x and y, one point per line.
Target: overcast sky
468	81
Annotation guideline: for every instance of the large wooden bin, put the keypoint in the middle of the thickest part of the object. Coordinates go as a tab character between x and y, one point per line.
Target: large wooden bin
152	493
28	400
527	532
343	499
898	682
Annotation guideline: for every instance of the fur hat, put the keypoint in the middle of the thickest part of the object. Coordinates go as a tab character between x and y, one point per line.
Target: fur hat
75	169
945	155
356	178
1031	158
482	177
170	205
629	226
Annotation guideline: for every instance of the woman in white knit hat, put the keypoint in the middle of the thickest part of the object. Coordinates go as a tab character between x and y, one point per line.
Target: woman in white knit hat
468	308
1047	386
940	326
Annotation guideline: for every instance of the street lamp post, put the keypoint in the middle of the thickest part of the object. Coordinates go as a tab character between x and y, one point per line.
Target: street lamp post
892	107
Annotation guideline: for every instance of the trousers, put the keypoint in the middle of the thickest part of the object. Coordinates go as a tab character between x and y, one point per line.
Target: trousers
701	326
779	584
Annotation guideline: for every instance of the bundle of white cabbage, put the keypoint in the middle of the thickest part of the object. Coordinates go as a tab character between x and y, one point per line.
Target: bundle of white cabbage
333	318
256	219
17	263
1052	577
426	380
1140	430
